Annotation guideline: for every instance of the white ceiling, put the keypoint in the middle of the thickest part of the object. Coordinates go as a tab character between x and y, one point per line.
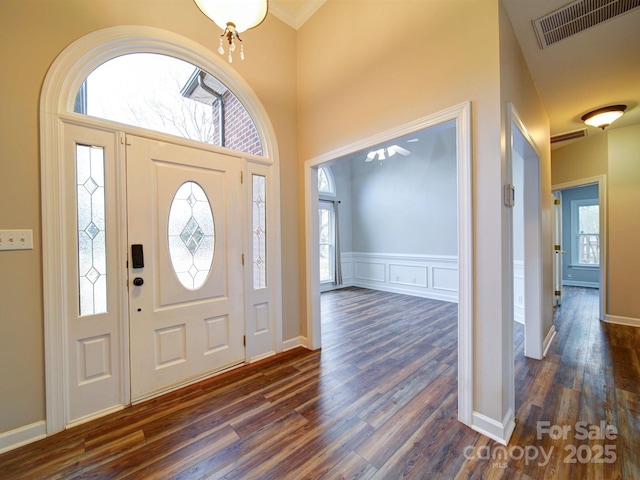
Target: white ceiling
594	68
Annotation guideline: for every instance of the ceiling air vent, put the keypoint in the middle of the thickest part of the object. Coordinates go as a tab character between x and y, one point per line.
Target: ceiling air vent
578	16
569	136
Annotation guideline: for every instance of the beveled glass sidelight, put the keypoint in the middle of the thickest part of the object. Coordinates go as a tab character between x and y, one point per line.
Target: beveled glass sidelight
191	235
91	213
259	229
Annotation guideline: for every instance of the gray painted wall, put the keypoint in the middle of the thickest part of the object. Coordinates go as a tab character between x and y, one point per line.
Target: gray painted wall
569	273
401	205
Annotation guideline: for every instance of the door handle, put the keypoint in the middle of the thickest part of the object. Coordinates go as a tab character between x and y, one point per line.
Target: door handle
138	281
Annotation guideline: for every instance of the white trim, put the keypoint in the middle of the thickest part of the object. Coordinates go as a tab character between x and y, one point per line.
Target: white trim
500	432
414	274
601	181
551	334
533	270
461	114
295	20
63	79
630	322
18	437
295	342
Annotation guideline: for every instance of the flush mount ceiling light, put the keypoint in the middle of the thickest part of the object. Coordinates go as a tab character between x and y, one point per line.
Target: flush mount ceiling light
603	117
233	17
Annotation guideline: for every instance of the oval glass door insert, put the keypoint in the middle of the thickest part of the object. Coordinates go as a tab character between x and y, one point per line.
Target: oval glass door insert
191	235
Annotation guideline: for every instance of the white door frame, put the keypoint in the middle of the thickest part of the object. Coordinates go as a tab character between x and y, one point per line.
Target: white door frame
59	89
536	340
601	181
461	114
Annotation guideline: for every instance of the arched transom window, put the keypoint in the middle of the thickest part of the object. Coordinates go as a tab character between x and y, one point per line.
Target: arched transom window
326	185
168	95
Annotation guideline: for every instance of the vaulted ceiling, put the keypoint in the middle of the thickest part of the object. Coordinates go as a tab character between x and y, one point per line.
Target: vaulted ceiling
596	67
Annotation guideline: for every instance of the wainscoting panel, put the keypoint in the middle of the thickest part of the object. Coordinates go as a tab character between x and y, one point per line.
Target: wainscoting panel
445	278
370	271
429	276
408	275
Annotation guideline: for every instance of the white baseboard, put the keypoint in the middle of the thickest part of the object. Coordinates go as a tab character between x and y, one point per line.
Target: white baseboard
23	435
548	339
500	432
630	322
295	342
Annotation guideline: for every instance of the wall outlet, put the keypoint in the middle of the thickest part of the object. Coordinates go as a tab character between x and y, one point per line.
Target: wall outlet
16	239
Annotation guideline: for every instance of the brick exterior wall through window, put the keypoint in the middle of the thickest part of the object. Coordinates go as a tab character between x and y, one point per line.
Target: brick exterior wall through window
240	131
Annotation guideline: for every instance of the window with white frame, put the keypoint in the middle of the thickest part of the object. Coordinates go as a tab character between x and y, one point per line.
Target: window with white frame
168	95
326	224
585	232
326	185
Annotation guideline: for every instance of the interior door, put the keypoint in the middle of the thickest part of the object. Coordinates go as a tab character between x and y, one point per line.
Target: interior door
185	268
558	251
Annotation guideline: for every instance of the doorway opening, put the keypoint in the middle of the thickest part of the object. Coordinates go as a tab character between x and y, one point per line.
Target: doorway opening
580	254
526	234
391	274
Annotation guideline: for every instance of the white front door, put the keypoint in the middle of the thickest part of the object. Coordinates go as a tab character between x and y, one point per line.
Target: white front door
184	215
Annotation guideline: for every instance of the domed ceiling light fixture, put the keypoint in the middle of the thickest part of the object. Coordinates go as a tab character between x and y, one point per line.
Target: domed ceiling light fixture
605	116
234	17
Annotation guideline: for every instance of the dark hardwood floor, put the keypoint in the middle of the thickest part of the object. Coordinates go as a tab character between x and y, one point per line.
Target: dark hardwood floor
378	402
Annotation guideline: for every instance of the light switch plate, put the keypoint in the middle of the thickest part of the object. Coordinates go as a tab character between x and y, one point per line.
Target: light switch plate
16	239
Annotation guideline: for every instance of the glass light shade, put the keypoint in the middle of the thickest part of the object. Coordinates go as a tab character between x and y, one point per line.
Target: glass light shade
244	14
603	117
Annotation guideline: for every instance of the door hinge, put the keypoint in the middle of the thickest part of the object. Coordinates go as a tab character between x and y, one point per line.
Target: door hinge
558	293
556	201
557	248
241	177
242	259
244	340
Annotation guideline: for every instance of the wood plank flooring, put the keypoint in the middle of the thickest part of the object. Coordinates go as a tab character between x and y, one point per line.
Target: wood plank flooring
378	402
